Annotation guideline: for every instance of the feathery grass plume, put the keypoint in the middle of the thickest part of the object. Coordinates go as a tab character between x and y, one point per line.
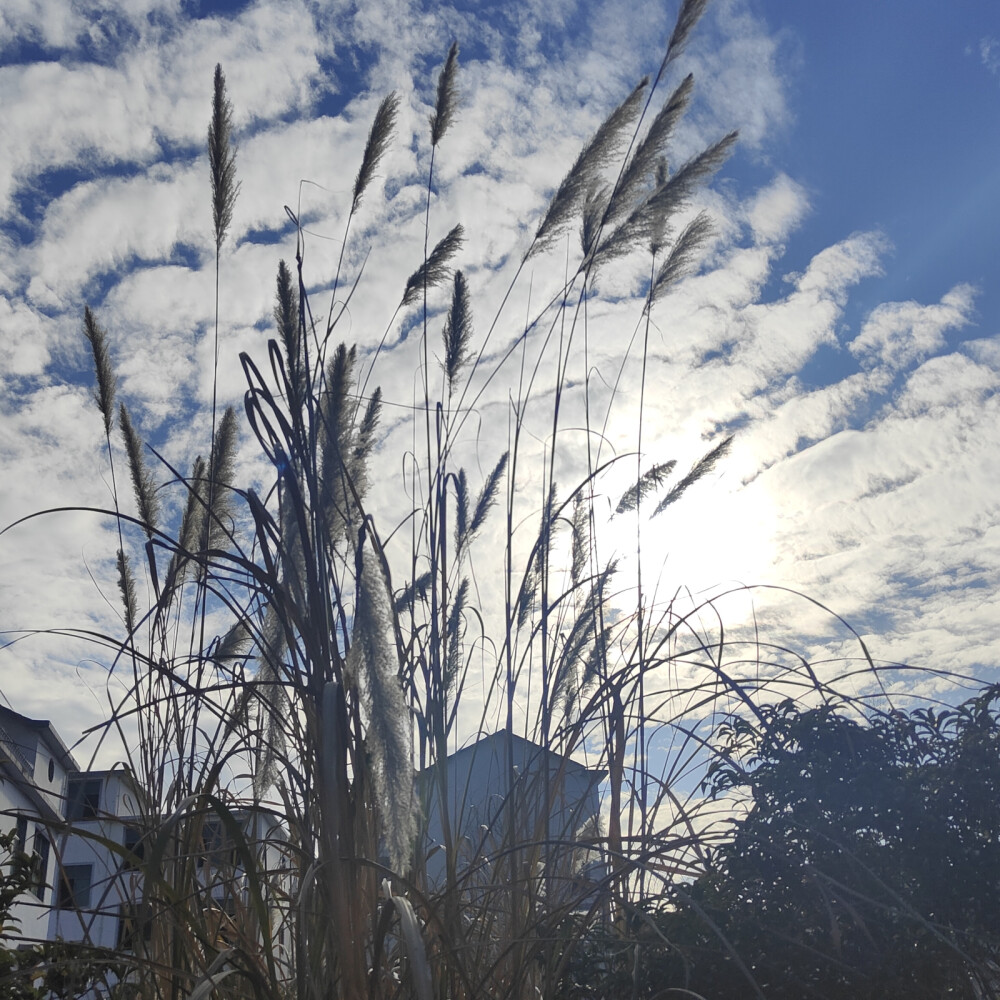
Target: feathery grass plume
454	633
188	533
416	591
530	583
374	659
107	384
687	17
488	495
143	485
595	206
222	159
457	331
651	479
641	167
286	318
549	523
526	597
581	538
585	174
126	587
682	255
584	628
365	439
274	701
435	269
336	404
194	511
649	218
702	467
596	660
234	645
447	97
344	448
678	188
379	137
335	440
291	551
461	482
659	230
360	448
216	526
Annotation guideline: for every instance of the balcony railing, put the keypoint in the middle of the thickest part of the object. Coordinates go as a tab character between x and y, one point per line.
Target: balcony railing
15	752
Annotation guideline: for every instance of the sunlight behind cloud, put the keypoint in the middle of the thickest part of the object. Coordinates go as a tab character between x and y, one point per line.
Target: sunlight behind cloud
717	537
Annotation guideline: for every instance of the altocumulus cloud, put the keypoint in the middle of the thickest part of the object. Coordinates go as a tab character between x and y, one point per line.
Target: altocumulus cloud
860	473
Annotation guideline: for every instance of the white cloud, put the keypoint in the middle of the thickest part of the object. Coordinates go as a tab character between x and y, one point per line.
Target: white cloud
58	24
23	348
899	334
989	53
740	77
902	504
155	94
777	210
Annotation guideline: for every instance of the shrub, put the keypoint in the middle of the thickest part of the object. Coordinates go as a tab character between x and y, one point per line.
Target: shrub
867	865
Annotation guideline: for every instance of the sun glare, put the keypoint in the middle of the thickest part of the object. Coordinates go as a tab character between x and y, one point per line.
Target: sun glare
715	538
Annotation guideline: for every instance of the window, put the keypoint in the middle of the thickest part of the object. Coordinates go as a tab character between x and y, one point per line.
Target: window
22	833
74	887
40	862
84	798
52	770
134	923
135	846
218	850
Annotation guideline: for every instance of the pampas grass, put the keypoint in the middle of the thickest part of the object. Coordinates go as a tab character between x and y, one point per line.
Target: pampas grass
436	268
446	105
222	160
299	659
586	173
379	138
107	383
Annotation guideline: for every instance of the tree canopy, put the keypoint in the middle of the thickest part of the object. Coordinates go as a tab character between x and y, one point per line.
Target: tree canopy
868	864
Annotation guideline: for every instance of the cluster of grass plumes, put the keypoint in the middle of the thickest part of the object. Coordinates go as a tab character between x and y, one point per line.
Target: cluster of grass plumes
342	663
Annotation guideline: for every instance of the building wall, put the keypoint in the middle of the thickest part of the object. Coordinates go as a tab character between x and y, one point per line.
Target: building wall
87	903
487	813
33	771
31	909
85	892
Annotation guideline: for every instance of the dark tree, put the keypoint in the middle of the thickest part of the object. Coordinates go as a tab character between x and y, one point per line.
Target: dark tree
868	865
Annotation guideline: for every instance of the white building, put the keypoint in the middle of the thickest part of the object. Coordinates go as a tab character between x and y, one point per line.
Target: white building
84	829
34	768
511	800
97	890
100	893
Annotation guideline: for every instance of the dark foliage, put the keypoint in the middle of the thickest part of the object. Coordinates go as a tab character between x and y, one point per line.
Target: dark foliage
867	867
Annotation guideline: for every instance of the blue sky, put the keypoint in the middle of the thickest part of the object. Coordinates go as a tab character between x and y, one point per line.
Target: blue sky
845	319
895	111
